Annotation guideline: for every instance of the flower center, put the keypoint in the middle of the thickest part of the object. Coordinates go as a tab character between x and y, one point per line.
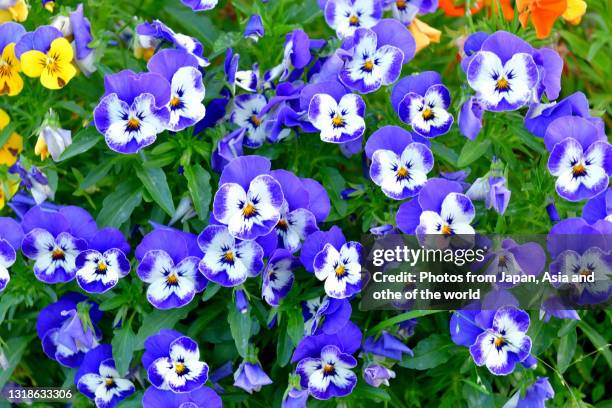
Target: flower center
578	170
109	382
354	20
502	262
328	369
499	342
58	254
248	210
255	121
228	256
368	66
340	271
402	172
502	84
338	121
428	114
175	102
446	230
282	224
133	124
102	267
586	272
172	280
400	4
180	368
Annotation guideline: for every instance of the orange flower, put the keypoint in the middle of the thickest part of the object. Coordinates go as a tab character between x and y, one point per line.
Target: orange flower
423	34
543	14
455	9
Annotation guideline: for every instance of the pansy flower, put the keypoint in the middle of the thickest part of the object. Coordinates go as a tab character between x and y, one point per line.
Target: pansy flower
53	239
580	158
168	265
598	207
249	213
227	261
535	395
371	64
325	315
81	32
423	34
315	243
513	259
133	111
386	345
504	343
296	55
470	118
10	242
340	269
180	69
425	103
151	33
13	10
542	14
254	28
339	121
278	276
97	378
246	114
346	16
202	397
454	217
405	11
34	181
228	148
200	5
11	83
180	370
377	375
100	267
46	54
250	376
10	150
64	336
247	80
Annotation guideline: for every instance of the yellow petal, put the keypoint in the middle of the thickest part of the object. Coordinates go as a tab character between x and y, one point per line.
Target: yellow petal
9	57
423	34
11	83
4	119
33	63
11	150
19	11
41	149
574	12
61	50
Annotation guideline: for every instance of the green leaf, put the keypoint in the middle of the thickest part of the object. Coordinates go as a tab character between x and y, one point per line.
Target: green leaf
114	302
413	314
211	290
444	152
160	319
6	133
295	325
598	341
240	326
565	353
97	174
124	344
430	353
81	142
154	180
198	183
472	151
334	183
284	348
15	348
118	206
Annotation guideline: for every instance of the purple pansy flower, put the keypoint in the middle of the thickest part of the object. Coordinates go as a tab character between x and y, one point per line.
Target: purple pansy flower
81	30
252	212
254	28
339	121
340	269
406	10
181	70
278	276
387	346
598	207
98	379
133	111
247	80
100	267
250	376
424	104
149	33
200	5
318	199
64	336
296	55
315	243
246	114
581	158
227	261
180	369
513	259
228	149
377	375
371	64
504	343
295	398
346	16
535	395
53	239
202	397
491	189
325	315
39	40
167	264
470	118
448	215
11	235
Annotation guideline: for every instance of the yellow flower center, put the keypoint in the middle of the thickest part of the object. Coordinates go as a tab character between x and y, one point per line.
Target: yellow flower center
172	280
340	270
328	368
57	254
255	120
102	267
502	84
337	121
282	224
248	210
402	172
446	230
579	170
229	256
586	272
368	65
354	20
499	341
428	114
401	4
175	101
179	368
133	124
109	382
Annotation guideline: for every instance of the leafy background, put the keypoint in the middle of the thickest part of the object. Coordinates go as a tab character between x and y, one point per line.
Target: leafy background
129	191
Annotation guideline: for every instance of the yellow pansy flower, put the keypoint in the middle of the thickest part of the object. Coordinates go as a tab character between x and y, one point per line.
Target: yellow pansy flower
41	149
54	68
423	34
17	12
13	146
8	188
11	83
574	12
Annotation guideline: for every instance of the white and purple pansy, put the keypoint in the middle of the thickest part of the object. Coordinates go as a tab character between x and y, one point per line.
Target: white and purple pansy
346	16
167	265
503	86
247	80
294	226
227	261
200	5
339	122
246	114
181	370
187	89
505	343
329	375
427	114
252	213
341	270
133	111
402	176
97	378
371	66
150	34
454	217
100	267
278	276
7	259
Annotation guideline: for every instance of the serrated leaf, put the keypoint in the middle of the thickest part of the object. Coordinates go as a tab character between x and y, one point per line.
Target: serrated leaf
118	206
81	142
198	183
240	326
429	353
472	151
124	344
154	180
